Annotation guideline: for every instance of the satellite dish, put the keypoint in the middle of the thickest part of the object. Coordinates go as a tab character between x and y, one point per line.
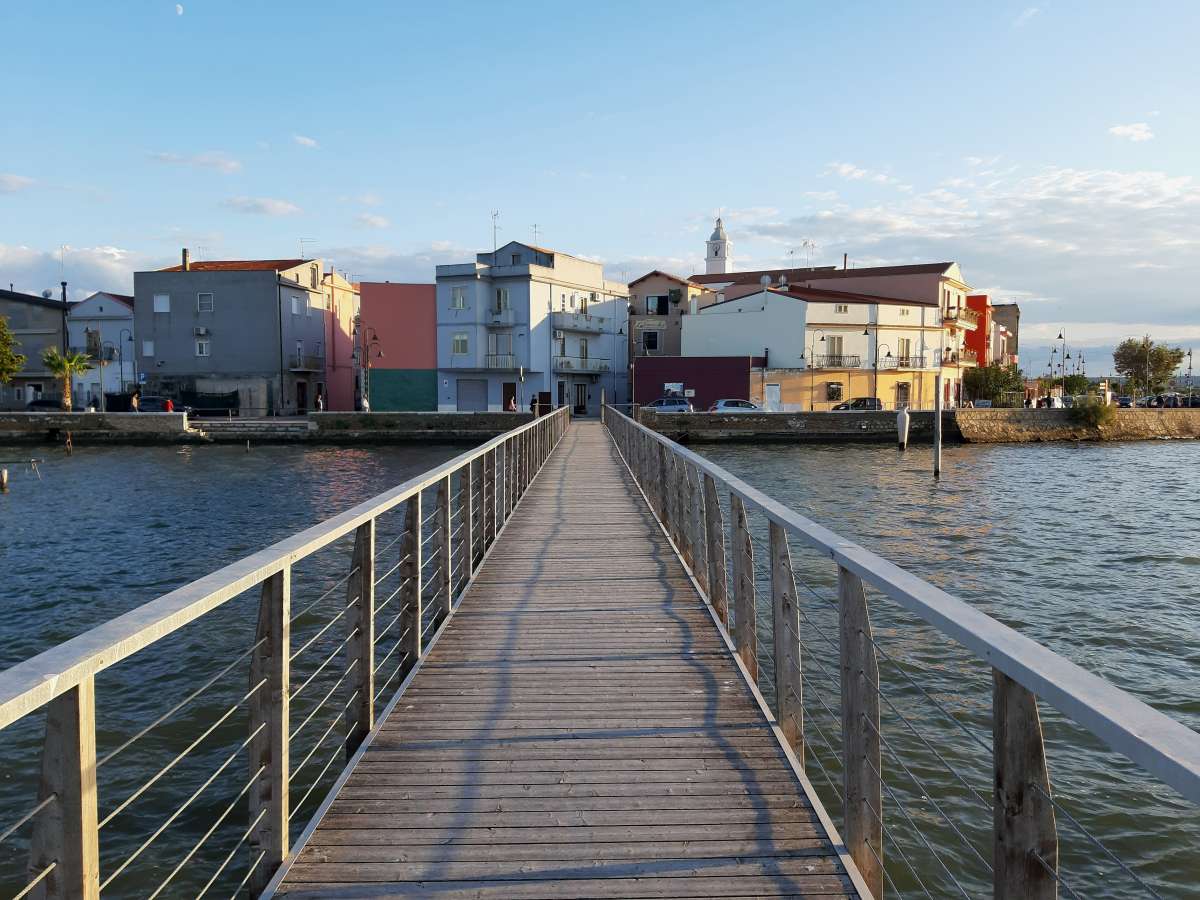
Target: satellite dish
47	294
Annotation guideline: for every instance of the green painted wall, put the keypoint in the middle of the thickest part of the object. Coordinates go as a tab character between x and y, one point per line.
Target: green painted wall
403	390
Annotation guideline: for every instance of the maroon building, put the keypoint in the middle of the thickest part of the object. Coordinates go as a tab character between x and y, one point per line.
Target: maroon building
711	377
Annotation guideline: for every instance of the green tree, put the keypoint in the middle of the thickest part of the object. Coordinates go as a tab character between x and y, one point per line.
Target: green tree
1077	384
990	382
64	367
1147	365
11	362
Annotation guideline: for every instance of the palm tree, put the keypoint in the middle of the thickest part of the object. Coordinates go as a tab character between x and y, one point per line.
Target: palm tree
64	367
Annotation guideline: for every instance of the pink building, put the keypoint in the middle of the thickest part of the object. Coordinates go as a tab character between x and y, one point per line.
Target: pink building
397	339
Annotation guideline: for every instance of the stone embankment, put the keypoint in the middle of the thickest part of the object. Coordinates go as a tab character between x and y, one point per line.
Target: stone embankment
94	428
999	426
400	427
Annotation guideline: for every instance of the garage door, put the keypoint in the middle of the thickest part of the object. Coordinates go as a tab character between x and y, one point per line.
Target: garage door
472	395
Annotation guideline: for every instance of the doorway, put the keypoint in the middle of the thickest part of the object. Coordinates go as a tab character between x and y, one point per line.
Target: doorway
581	400
301	397
772	398
508	392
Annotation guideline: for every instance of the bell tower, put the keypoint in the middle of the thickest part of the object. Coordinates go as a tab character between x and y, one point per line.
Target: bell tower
717	260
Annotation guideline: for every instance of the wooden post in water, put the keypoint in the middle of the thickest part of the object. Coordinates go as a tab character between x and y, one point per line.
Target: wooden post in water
269	718
360	646
714	533
445	548
3	481
937	426
789	688
1022	815
410	594
744	614
65	833
862	787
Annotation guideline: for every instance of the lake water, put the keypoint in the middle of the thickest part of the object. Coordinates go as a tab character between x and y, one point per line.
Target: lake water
1092	549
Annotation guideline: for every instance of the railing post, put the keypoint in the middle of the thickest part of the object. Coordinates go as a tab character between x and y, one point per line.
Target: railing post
489	496
1022	815
360	648
661	489
445	545
789	687
269	707
467	482
862	786
714	533
696	525
744	615
65	832
410	596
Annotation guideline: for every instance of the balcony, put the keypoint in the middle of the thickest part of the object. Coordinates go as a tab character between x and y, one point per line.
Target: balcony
837	361
961	318
500	361
502	318
962	358
574	321
300	362
903	362
583	364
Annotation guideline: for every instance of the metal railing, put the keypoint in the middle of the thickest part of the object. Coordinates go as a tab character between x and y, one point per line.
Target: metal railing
902	362
293	702
580	364
837	361
945	758
500	361
961	314
579	321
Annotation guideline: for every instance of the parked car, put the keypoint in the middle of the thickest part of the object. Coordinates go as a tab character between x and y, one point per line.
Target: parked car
859	404
734	406
159	404
1125	402
47	405
670	405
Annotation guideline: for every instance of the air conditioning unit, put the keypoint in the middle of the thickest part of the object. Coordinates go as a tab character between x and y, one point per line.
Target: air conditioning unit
200	331
558	335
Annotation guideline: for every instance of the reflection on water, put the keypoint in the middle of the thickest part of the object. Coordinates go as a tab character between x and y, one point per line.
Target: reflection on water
1091	549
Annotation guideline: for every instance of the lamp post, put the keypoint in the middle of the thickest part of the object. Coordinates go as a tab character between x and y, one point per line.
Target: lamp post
812	376
1189	379
878	347
1062	337
103	363
132	356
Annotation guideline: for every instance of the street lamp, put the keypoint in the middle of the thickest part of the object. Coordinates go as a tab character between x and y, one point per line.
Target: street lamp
103	363
132	356
812	376
1066	356
1189	379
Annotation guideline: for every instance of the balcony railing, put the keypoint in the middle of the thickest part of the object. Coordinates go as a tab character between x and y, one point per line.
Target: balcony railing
500	361
504	317
301	362
837	361
579	321
963	316
902	362
580	364
961	358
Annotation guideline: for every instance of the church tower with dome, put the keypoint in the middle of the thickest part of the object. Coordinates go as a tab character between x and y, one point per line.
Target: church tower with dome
717	260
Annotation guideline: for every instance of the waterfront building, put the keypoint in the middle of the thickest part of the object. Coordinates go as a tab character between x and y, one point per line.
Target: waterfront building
249	335
102	327
1009	315
657	303
823	347
701	379
36	323
397	346
525	322
342	303
991	339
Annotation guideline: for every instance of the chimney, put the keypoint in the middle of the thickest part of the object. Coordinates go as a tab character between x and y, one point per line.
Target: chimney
845	259
187	260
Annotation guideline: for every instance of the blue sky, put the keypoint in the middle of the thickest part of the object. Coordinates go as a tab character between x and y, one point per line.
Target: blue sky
1050	149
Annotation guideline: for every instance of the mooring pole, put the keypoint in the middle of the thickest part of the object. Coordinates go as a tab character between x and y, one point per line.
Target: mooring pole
3	481
902	428
937	426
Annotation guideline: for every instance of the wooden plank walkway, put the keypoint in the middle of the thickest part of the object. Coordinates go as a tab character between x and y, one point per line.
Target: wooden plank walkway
579	730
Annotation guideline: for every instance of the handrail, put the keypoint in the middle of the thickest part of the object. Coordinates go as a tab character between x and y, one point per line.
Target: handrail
1163	746
38	680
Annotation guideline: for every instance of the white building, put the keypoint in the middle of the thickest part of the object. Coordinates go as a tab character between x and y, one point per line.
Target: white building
767	323
102	327
525	323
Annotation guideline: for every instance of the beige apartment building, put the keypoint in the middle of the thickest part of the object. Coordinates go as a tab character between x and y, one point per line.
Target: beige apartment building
657	302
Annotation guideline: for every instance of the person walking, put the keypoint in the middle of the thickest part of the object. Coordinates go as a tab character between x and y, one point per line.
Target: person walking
533	406
135	401
512	404
320	403
168	405
366	404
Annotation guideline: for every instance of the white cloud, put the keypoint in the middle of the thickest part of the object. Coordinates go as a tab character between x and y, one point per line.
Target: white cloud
851	172
305	141
1135	131
88	269
380	263
372	220
369	199
263	206
179	9
1026	14
10	184
213	159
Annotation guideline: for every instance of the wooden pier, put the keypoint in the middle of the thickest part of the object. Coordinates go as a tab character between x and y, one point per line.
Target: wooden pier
580	729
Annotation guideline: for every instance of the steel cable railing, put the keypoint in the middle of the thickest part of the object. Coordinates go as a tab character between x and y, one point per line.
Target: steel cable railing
898	703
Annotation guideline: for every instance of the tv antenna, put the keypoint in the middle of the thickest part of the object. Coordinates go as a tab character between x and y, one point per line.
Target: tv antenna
304	241
809	246
495	231
535	233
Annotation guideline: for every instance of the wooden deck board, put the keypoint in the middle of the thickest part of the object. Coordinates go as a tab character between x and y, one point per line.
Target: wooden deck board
579	730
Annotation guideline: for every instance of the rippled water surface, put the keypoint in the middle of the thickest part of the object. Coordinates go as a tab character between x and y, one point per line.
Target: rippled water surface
1091	549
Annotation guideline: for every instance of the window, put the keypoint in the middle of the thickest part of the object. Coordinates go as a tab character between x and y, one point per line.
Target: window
650	340
204	303
500	343
833	390
299	350
656	304
162	303
459	345
583	348
312	276
904	348
307	306
841	308
516	259
501	299
147	348
458	298
902	394
295	305
317	349
833	345
202	347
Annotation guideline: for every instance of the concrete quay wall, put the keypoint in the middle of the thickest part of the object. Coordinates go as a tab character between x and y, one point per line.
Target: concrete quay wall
805	427
998	426
131	428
